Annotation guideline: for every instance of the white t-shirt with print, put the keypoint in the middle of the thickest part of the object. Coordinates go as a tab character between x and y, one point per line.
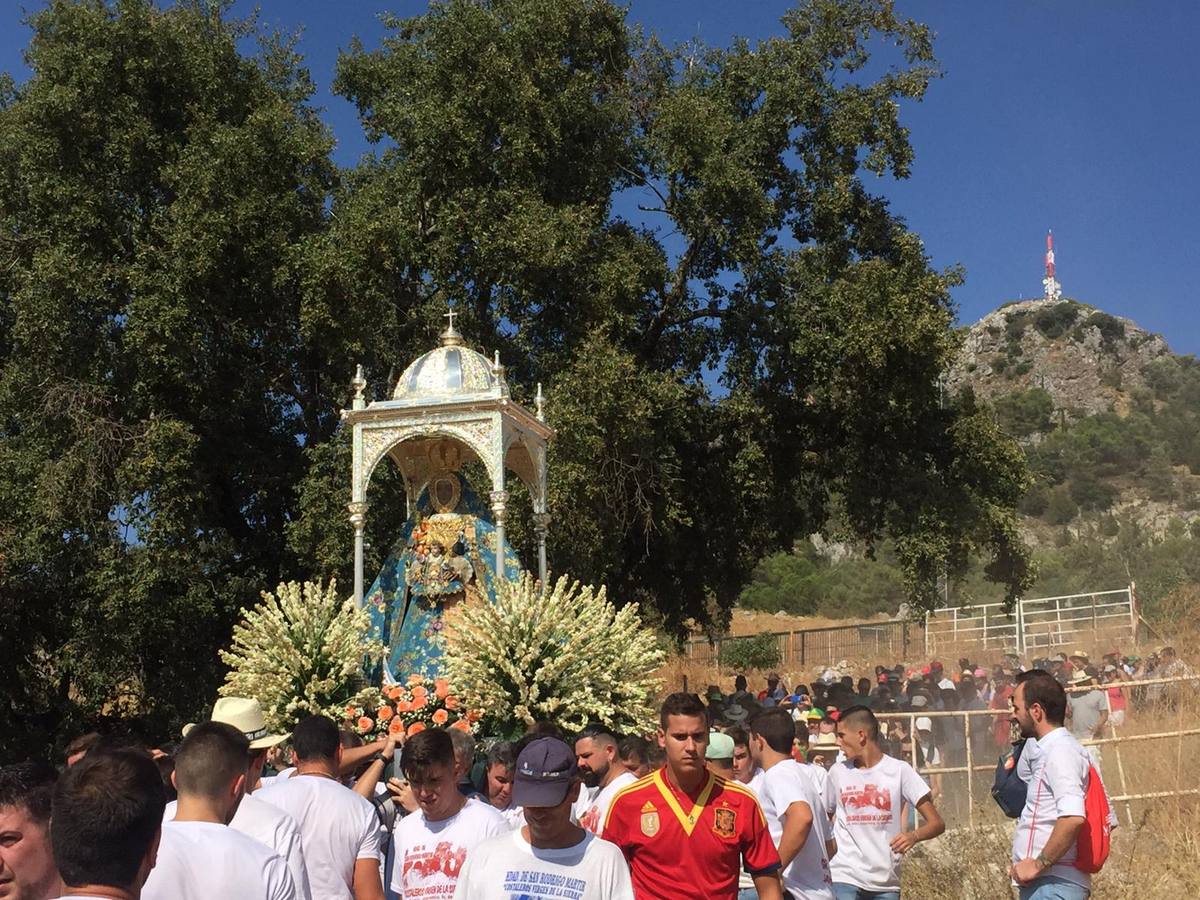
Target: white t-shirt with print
337	828
866	806
268	825
593	819
203	860
785	783
430	855
507	866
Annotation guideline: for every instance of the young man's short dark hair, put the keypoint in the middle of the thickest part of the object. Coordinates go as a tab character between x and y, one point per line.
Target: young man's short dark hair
1043	689
739	736
82	744
422	751
682	703
634	747
107	810
316	738
599	732
212	755
776	728
860	717
501	753
28	786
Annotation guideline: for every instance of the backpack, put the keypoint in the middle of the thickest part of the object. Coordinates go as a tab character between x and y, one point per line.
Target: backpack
1008	790
1092	846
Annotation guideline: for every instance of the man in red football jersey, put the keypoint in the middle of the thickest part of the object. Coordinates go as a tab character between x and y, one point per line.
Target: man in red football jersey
685	831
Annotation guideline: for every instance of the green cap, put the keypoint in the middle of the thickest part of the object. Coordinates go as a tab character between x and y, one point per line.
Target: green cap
720	746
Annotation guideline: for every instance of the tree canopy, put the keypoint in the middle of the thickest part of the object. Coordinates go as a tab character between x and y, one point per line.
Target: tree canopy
737	337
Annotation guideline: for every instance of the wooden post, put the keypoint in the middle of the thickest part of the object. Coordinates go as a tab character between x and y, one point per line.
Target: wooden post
803	642
1120	764
970	773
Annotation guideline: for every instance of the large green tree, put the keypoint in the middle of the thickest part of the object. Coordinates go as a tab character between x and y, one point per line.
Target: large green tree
155	389
737	337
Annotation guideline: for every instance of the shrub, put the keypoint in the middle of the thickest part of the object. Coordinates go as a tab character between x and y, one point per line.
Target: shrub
1111	328
1023	413
758	652
1061	508
1053	321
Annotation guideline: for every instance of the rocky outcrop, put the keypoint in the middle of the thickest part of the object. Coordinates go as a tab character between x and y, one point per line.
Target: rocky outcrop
1087	360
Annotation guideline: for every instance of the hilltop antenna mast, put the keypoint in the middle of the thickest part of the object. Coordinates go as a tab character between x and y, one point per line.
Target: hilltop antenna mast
1053	290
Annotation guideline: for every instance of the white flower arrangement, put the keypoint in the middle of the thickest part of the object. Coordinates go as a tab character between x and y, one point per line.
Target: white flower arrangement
301	651
566	655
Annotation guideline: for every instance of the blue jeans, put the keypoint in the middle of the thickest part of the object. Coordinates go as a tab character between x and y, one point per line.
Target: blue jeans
1051	887
748	894
854	892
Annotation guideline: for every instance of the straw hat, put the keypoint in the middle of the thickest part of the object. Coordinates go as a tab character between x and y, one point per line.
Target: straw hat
825	741
246	715
1080	676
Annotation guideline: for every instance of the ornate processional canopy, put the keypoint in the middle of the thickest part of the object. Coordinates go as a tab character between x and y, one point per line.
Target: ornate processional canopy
451	405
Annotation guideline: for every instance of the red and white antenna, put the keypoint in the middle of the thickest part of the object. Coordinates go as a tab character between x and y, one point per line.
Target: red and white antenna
1053	290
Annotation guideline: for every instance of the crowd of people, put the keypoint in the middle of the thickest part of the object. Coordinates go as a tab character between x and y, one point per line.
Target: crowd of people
808	792
1100	694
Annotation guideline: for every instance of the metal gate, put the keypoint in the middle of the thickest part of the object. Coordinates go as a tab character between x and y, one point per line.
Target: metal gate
1039	623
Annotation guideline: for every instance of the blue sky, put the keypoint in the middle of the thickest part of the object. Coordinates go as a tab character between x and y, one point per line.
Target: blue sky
1078	115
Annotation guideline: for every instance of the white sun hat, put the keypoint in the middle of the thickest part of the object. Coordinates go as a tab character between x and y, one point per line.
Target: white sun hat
246	715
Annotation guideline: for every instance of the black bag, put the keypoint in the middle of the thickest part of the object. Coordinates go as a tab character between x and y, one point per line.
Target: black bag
1008	790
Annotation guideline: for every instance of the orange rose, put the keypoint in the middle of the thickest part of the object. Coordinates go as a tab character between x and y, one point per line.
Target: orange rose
396	726
419	702
441	688
395	692
416	728
351	712
366	723
404	706
420	691
440	717
473	716
415	679
461	725
450	701
384	713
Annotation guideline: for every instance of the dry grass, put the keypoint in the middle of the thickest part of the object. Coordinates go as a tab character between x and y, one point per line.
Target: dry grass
1156	857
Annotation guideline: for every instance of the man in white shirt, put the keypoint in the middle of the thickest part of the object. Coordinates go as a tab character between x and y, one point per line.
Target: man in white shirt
865	794
1043	847
105	823
550	856
792	806
199	855
255	818
432	844
597	755
338	828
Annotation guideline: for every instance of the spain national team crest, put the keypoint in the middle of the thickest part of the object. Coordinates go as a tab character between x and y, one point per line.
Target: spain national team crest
725	822
650	823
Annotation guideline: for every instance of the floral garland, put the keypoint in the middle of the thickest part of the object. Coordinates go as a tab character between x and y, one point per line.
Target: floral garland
409	708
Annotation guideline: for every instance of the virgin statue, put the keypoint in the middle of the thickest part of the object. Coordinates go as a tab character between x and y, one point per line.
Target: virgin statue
445	555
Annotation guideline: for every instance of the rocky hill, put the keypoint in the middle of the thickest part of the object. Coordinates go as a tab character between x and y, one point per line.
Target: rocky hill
1087	360
1109	416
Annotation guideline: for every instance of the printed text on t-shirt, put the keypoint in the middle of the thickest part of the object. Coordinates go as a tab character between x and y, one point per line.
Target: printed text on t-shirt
534	885
867	805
